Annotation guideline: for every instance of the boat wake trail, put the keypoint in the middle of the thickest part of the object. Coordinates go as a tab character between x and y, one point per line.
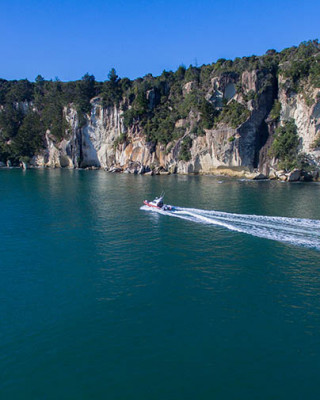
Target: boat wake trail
297	231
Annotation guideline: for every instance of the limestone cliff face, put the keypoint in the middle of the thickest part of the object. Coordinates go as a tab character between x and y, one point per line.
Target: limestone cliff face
304	108
244	148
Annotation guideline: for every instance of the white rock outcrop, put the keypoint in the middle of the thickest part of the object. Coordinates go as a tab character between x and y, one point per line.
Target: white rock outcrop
97	143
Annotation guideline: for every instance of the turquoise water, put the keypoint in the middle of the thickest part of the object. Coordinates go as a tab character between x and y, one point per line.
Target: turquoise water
101	299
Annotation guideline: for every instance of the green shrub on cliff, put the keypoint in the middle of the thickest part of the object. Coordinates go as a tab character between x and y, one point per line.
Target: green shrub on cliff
301	63
111	90
85	91
52	110
275	111
138	111
234	114
209	114
11	118
120	140
29	139
285	145
315	72
316	143
185	154
19	91
192	74
197	130
180	73
160	129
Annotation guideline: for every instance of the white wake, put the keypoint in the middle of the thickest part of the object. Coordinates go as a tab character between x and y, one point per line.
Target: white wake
297	231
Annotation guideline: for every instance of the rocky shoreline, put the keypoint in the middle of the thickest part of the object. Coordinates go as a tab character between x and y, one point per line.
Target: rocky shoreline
295	175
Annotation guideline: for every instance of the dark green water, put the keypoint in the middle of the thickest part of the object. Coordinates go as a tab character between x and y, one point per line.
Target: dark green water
103	300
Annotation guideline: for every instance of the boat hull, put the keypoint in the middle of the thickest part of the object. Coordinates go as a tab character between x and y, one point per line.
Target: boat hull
165	207
151	205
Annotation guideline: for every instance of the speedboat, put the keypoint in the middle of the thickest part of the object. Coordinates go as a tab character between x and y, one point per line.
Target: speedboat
157	203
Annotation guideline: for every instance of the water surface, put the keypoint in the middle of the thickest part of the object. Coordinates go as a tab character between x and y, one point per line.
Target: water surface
102	299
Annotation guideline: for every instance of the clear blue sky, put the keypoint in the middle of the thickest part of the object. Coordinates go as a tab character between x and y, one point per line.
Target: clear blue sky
67	38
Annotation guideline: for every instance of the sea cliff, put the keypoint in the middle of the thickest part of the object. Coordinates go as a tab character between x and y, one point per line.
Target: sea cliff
230	117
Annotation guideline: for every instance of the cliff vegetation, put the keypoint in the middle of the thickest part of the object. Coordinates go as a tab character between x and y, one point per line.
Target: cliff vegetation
245	109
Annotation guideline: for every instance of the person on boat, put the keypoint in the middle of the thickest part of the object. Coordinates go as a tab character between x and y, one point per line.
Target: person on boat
159	201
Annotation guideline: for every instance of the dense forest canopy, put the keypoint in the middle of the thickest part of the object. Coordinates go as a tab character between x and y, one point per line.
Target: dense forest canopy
29	109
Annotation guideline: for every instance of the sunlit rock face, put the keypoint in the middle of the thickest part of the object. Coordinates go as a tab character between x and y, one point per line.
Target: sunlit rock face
242	148
306	117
